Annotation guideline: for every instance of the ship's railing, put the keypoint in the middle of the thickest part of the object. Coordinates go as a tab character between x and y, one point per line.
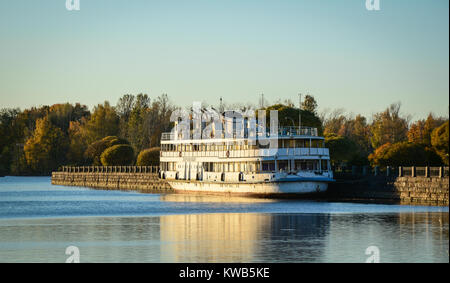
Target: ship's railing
297	131
249	153
282	132
167	136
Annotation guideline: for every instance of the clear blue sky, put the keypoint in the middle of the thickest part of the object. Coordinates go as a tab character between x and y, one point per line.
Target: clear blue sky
344	55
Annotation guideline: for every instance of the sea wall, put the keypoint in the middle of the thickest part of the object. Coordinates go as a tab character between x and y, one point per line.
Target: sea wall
423	189
405	190
145	182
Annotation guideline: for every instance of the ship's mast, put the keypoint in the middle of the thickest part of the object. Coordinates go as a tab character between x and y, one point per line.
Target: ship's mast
299	111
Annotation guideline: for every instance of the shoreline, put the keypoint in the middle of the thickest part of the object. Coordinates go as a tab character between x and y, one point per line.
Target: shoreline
354	191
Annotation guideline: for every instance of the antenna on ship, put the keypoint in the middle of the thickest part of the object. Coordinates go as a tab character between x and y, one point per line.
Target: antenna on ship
299	111
262	100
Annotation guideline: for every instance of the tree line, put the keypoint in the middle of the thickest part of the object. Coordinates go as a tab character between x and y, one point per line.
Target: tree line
38	140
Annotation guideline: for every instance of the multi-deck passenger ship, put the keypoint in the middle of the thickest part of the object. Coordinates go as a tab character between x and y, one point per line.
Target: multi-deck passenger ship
299	164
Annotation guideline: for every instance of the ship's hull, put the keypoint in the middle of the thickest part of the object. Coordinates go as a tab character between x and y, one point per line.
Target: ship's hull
257	188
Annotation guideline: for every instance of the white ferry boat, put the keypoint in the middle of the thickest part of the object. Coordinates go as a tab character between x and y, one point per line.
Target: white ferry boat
242	166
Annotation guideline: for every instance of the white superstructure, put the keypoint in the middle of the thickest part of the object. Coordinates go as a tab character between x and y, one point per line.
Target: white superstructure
299	163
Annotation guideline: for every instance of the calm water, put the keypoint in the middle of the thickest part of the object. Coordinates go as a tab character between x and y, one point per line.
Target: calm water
39	221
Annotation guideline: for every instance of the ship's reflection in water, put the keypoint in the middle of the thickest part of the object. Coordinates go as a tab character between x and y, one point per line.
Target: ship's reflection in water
242	237
304	237
185	228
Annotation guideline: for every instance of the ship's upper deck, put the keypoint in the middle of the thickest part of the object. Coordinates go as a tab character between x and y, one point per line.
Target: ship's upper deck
283	132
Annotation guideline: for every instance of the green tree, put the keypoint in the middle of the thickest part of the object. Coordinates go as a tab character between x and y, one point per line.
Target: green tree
103	122
121	154
62	114
357	130
10	135
78	144
157	120
94	151
289	116
309	104
148	157
343	150
47	148
440	142
136	133
142	122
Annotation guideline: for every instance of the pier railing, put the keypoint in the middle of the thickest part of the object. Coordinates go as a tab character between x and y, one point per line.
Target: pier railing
427	171
391	171
109	169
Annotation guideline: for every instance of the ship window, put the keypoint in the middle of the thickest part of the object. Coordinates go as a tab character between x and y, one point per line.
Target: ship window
307	143
268	166
283	165
300	165
291	143
312	165
324	165
315	143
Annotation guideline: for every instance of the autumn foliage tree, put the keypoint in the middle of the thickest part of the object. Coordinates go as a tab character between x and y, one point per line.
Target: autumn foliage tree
404	154
420	131
47	147
389	127
440	142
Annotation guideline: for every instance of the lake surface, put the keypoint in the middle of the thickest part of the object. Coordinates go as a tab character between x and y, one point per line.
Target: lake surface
38	221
